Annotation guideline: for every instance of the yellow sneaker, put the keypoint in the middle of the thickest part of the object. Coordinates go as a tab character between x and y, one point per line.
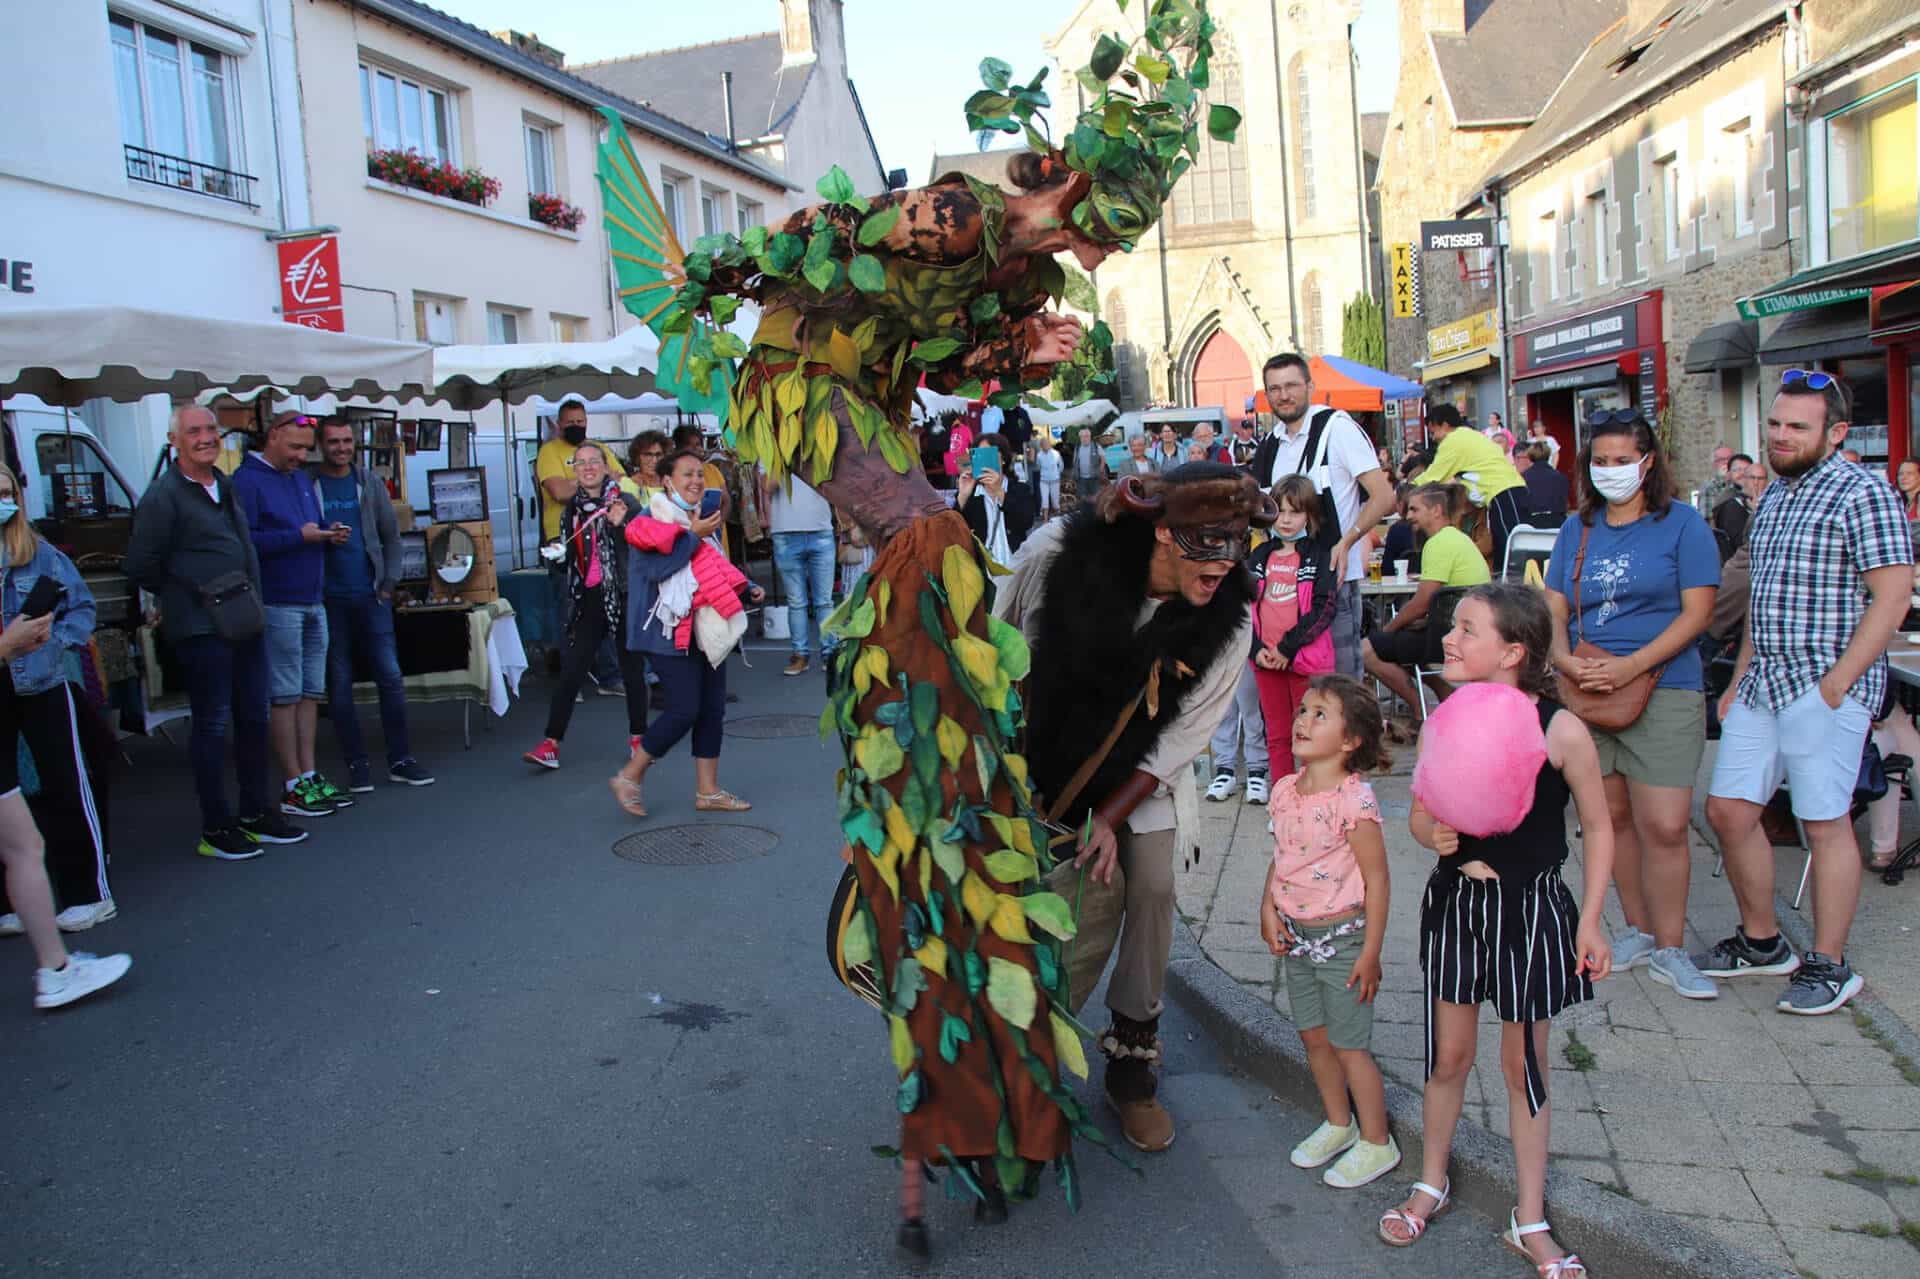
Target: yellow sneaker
1328	1141
1365	1162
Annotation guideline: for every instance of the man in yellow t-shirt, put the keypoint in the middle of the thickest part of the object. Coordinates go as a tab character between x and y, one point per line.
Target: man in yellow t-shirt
553	465
1466	456
1449	561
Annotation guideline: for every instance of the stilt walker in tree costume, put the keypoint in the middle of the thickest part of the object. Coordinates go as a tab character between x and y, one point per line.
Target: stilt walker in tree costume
860	299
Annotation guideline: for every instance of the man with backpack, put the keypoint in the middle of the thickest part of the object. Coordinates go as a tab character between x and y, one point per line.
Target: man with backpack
1329	448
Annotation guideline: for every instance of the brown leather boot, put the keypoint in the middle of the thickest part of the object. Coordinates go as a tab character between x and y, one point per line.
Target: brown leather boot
1133	1050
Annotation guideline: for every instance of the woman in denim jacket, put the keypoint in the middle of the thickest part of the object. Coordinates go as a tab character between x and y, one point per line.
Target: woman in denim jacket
37	703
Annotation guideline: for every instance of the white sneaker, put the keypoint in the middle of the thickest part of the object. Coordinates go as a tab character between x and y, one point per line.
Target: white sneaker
10	926
77	919
83	975
1672	966
1362	1164
1630	946
1328	1141
1222	788
1256	788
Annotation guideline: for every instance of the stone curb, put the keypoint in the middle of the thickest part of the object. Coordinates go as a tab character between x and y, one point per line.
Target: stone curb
1614	1234
1898	1037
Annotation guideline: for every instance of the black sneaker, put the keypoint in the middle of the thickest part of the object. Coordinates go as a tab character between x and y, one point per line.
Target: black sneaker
1820	986
227	844
271	828
360	777
409	773
1735	956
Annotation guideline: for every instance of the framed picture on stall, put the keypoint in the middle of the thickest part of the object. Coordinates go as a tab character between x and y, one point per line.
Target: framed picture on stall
457	494
429	436
410	437
413	556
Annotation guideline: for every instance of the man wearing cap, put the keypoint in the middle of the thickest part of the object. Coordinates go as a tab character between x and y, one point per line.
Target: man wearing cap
1145	585
553	468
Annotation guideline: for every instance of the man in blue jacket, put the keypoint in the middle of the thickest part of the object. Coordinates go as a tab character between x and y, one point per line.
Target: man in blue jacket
361	572
291	535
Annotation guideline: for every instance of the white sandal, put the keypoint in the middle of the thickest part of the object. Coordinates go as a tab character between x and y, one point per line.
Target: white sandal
1514	1236
1415	1225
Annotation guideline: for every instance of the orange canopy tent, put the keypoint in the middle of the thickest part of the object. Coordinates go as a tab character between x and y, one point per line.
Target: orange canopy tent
1353	387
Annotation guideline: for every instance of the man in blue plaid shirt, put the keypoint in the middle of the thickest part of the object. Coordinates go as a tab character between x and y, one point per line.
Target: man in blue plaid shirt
1832	573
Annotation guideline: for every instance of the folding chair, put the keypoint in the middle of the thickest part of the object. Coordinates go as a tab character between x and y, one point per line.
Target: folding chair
1524	542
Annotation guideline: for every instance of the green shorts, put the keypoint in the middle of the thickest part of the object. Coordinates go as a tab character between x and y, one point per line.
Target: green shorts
1317	994
1664	746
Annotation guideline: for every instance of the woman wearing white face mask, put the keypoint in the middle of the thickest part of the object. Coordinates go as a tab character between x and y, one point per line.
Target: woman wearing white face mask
1634	575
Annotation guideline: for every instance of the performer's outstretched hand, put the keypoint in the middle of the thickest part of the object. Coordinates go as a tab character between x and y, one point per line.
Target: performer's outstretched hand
1052	338
1100	844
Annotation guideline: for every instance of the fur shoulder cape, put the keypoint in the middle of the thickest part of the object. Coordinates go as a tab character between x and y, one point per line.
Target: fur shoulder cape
1089	661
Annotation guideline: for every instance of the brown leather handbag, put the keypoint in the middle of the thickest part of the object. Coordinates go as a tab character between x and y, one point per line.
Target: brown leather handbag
1609	712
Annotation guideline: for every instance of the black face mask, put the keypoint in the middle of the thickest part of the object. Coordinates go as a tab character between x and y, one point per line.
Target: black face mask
574	435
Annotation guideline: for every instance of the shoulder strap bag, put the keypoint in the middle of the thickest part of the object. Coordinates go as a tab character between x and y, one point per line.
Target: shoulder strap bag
232	603
1609	712
1311	458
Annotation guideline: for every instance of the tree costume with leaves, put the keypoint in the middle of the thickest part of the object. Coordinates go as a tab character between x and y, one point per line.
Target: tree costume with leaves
860	299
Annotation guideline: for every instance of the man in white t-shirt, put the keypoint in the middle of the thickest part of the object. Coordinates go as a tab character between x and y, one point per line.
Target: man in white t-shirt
803	552
1345	464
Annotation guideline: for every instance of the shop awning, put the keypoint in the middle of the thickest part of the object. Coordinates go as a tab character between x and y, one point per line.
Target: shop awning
1733	345
1834	283
1835	332
1455	365
1894	312
1568	379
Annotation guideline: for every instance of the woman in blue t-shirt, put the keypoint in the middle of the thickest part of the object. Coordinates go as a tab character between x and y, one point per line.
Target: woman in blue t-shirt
1647	578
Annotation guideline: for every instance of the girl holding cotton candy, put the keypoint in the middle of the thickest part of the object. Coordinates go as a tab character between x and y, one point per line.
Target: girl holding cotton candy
1499	761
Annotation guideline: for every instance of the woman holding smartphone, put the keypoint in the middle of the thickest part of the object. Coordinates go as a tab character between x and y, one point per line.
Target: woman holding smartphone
37	702
999	509
694	682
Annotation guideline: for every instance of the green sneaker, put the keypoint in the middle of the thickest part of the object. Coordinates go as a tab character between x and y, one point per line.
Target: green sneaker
1324	1143
303	799
332	794
1364	1163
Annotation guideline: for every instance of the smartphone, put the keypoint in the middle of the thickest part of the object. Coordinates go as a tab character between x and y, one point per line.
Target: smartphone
45	597
985	458
710	502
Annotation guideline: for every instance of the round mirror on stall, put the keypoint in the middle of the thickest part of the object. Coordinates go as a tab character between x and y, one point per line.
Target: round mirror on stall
450	553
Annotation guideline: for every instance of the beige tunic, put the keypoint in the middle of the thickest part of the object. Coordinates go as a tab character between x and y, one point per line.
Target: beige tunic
1180	743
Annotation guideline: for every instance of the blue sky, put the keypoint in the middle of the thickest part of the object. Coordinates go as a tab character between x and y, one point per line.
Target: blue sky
911	83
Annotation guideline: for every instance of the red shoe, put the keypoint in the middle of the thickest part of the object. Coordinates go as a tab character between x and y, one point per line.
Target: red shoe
546	754
633	746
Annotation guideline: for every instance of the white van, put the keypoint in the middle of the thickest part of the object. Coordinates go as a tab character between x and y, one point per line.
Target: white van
1181	420
65	468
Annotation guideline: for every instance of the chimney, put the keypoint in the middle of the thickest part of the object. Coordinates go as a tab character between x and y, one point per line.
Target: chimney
813	30
726	105
529	44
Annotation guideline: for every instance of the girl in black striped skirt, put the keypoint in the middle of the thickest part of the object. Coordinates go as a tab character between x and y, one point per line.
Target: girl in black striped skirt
1498	925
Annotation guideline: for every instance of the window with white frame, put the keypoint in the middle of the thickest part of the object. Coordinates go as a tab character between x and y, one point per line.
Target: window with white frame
178	97
402	114
1547	237
540	176
1602	235
1735	160
435	320
1215	190
672	189
750	214
712	211
1871	172
1666	176
569	328
503	325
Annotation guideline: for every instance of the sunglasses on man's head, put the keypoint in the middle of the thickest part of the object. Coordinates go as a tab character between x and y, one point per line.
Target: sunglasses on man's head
1812	379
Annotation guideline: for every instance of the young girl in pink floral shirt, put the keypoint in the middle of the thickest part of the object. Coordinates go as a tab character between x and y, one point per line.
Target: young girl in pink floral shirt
1324	910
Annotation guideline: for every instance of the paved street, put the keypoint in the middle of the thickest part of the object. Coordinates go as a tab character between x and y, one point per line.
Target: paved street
1795	1138
453	1035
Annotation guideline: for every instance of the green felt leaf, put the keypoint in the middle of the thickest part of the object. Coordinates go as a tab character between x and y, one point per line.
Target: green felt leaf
984	308
1015	657
900	1043
888	713
937	910
862	826
986	762
913	804
879	754
729	345
876	226
971	389
821	274
914	925
856	944
835	186
912	1089
867	274
723	308
926	706
1003	1142
933	350
784	253
925	754
976	969
954	1031
1108	53
903	732
1010	991
852	620
1047	966
1010	867
950	858
1050	912
1222	121
995	74
908	982
754	240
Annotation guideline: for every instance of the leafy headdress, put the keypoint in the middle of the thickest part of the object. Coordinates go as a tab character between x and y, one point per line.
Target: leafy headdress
1140	128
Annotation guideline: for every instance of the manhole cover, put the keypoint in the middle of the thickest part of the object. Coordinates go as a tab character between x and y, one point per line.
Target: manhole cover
774	726
702	845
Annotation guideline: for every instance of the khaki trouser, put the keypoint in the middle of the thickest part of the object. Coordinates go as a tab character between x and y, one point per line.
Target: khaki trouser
1146	937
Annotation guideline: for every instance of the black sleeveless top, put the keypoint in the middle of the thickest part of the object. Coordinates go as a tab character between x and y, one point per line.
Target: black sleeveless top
1539	842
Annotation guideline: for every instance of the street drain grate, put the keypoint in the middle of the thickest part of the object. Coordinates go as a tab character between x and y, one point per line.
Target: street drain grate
774	726
696	845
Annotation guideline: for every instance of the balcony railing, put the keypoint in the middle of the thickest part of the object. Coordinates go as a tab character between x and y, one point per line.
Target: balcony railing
190	175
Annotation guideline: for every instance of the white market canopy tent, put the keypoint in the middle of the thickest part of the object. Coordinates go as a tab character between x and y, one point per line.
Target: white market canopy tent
69	355
1073	416
658	405
469	377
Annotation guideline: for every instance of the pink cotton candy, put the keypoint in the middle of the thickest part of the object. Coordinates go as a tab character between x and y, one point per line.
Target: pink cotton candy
1480	752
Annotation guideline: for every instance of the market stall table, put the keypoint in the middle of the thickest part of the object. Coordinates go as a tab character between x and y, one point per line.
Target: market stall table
1380	600
1903	661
